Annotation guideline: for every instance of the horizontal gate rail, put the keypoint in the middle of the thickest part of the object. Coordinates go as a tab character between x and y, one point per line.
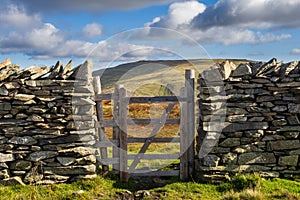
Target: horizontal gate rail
112	123
153	156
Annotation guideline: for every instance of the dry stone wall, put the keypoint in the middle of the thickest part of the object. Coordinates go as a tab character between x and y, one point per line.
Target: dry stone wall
46	123
249	120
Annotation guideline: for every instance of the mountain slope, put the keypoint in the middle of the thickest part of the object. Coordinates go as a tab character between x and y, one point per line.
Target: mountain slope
148	78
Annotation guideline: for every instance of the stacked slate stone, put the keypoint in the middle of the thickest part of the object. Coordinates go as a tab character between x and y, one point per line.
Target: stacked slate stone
249	120
46	124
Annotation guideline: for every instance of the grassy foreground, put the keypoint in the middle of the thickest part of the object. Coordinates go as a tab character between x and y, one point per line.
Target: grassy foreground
240	187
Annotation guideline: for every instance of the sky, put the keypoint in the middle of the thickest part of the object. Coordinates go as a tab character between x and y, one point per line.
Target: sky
35	32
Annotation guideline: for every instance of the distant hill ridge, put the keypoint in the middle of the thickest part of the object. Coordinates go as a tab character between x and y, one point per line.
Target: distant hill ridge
141	71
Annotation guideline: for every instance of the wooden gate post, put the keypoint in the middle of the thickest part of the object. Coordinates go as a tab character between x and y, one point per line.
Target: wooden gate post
100	117
183	171
190	93
122	122
116	129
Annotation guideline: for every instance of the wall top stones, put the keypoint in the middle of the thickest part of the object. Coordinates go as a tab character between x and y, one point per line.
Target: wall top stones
271	69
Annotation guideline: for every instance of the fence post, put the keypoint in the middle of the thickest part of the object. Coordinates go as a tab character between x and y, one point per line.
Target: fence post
183	171
100	117
116	129
190	93
122	122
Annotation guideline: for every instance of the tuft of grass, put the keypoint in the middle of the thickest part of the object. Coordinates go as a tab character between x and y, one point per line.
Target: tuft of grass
248	194
241	182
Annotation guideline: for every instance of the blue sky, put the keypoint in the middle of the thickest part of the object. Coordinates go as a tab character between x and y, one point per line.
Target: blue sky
35	32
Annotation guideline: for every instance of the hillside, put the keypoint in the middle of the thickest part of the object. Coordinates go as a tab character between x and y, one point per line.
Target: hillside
146	77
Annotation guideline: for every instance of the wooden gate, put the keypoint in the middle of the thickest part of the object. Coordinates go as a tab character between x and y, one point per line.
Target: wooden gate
113	152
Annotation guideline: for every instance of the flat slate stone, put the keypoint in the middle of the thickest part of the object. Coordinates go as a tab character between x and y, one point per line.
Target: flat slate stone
284	145
256	158
6	157
40	155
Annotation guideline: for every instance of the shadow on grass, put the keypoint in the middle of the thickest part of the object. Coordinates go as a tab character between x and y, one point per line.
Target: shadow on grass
141	183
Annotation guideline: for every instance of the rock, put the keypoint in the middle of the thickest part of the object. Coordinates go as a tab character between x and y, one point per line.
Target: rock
85	71
288	160
254	133
79	192
6	157
267	98
270	174
3	166
7	71
294	108
5	106
57	69
13	181
65	161
290	67
284	145
289	128
77	151
211	160
35	118
12	85
250	168
279	108
26	140
21	165
39	72
233	127
33	177
279	122
71	170
57	178
40	155
3	91
256	158
266	67
230	142
242	70
4	174
91	159
229	158
5	62
4	147
24	97
291	135
273	137
293	120
37	110
142	194
70	139
227	68
64	74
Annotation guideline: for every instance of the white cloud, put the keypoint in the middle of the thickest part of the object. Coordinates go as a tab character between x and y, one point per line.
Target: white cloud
15	17
89	5
103	50
227	22
268	37
180	13
295	51
92	30
253	14
26	33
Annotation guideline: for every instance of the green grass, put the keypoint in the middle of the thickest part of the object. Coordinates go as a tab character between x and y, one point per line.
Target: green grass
240	187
